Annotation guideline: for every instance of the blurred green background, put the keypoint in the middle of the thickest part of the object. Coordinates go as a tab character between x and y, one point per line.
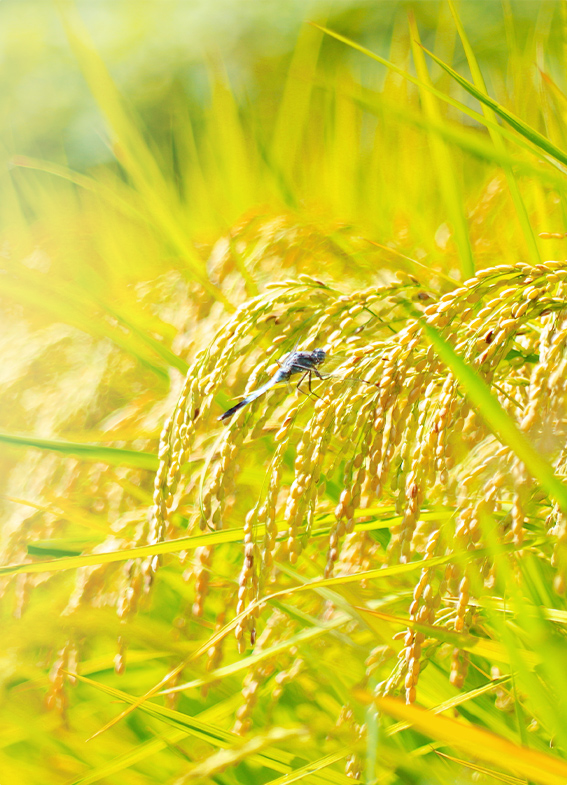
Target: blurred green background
160	53
244	104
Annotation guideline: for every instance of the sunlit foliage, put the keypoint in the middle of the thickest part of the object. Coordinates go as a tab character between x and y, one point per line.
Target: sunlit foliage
365	581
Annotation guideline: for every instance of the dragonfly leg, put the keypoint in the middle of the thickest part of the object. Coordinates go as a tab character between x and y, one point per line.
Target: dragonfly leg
309	373
318	375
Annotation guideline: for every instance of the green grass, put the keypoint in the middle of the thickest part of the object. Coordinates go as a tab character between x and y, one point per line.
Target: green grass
226	222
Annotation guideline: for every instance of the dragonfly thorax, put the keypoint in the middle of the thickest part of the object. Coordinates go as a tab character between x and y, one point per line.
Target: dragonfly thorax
301	362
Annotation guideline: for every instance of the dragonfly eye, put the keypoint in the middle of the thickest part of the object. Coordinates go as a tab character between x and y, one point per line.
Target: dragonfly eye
318	356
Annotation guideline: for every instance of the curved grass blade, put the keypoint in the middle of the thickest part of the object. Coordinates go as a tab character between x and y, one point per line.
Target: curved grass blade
500	423
274	759
312	768
483	647
159	348
536	766
132	151
202	730
484	772
210	539
519	125
140	753
457	700
68	304
244	750
115	456
536	139
323	582
82	180
468	139
445	172
303	637
295	103
219	538
498	143
141	552
61	547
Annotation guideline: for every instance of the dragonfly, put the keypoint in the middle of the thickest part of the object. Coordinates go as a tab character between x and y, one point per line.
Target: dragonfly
295	363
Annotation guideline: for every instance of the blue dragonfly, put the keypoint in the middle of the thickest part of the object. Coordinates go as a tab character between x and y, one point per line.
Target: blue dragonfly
305	363
295	363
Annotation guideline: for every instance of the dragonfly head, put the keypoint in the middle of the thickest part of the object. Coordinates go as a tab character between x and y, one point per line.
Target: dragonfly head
318	356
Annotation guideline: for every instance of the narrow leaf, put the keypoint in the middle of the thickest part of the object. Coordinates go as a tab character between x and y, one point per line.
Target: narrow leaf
537	766
525	130
502	425
115	456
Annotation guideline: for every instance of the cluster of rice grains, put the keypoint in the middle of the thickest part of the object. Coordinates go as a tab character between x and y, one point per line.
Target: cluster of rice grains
404	438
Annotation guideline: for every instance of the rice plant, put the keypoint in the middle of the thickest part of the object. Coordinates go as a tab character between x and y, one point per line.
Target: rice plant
359	574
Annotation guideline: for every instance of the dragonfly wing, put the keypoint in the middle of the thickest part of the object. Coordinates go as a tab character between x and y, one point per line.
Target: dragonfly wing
303	365
353	381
